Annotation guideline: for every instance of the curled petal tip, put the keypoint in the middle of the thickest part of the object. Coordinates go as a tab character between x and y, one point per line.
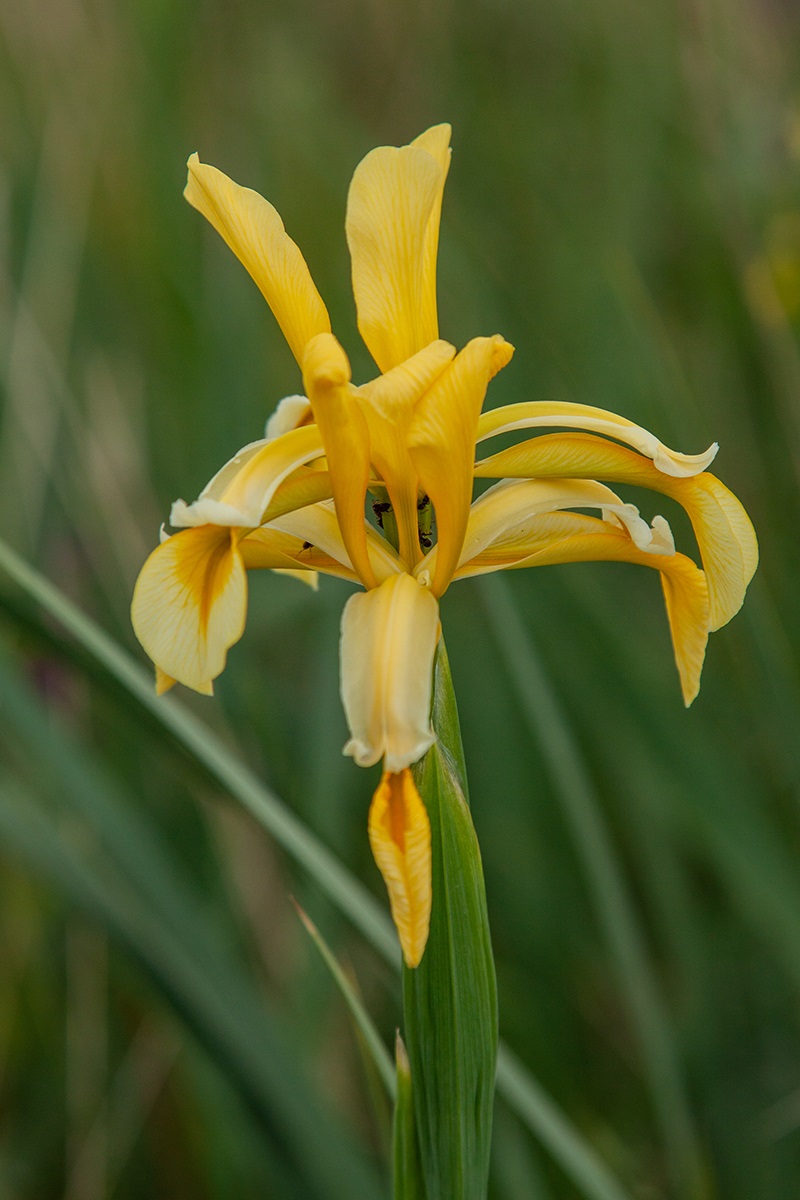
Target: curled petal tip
502	353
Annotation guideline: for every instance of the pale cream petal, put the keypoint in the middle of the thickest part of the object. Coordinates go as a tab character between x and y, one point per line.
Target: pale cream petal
241	492
341	424
725	535
546	413
400	837
291	413
189	604
442	443
393	208
389	638
255	233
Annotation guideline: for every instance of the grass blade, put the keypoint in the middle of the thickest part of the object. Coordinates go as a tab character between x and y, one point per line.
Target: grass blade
538	1112
550	729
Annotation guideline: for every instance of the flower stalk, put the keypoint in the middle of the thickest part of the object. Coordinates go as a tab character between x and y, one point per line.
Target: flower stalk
450	998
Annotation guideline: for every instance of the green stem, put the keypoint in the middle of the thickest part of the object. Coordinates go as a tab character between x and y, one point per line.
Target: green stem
450	999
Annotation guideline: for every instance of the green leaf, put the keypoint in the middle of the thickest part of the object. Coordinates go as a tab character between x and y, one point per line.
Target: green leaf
361	1018
450	999
407	1181
536	1109
616	912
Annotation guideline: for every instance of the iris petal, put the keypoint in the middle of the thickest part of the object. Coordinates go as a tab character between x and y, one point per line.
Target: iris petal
189	605
400	837
392	226
442	443
389	638
725	535
255	233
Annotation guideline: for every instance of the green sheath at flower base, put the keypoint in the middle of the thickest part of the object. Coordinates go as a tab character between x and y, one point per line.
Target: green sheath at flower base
450	999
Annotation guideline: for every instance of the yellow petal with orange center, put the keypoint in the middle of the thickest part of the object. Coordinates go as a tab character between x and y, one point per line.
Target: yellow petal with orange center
725	535
341	424
256	235
442	443
189	605
392	226
389	638
400	837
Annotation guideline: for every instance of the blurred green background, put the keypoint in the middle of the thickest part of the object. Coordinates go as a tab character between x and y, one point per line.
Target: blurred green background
624	206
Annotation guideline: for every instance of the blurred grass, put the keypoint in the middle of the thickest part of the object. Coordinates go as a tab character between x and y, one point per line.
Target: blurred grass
623	206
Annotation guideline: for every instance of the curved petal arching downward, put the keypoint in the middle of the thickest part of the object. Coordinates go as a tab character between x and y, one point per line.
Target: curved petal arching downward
255	233
189	605
725	535
392	224
574	537
539	414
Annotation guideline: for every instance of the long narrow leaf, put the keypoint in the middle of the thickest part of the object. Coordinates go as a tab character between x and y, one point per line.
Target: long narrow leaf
537	1111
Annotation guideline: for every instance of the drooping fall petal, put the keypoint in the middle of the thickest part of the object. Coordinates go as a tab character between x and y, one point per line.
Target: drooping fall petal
189	605
400	837
574	537
508	512
389	637
392	224
725	535
255	233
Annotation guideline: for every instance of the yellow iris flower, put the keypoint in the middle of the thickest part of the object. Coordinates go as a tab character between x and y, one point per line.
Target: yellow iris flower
296	500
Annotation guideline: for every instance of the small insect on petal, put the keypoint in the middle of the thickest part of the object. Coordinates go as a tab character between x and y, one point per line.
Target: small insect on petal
400	837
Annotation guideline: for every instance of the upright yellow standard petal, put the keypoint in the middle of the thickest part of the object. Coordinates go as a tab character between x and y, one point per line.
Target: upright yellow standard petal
442	443
389	638
436	141
392	225
400	837
255	233
725	535
326	374
189	605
